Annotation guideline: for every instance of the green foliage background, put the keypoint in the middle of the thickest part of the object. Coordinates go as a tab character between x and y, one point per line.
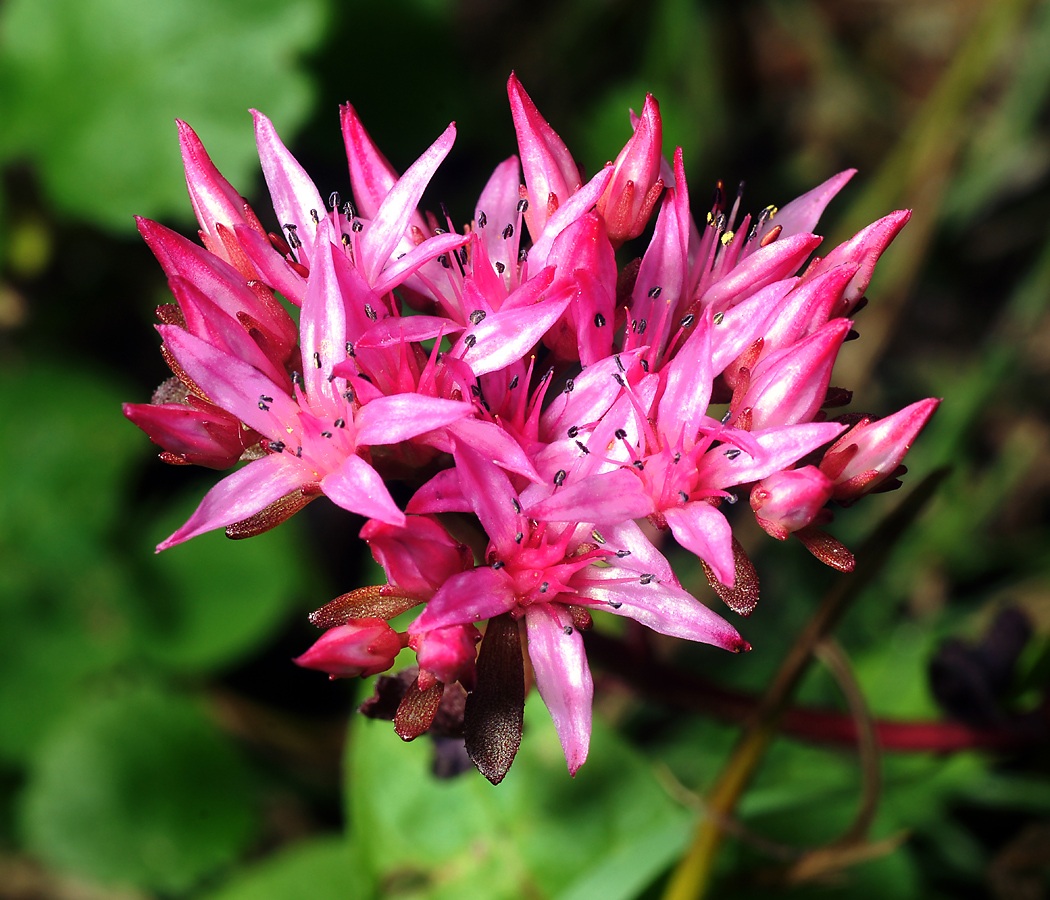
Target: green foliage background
155	740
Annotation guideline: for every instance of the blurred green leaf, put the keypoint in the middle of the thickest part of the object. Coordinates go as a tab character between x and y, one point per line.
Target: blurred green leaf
138	789
537	832
212	599
319	869
90	89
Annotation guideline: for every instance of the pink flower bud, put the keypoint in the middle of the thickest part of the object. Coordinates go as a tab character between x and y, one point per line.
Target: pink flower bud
635	186
870	452
787	501
447	653
419	557
789	386
360	647
205	436
551	175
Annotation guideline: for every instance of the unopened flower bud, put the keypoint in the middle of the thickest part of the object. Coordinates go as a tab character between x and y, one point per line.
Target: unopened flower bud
448	653
787	501
870	452
635	185
360	647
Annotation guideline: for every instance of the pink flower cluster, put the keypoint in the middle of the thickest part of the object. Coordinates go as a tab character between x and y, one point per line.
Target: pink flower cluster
513	371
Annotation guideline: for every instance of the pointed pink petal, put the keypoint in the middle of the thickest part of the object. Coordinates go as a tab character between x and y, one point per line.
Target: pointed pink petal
505	337
594	392
567	213
663	267
274	268
490	440
780	447
442	493
213	198
491	495
356	486
401	268
563	677
744	323
663	607
399	417
291	189
322	326
641	555
766	265
232	384
608	497
391	220
802	214
683	406
703	530
243	494
392	330
466	598
497	205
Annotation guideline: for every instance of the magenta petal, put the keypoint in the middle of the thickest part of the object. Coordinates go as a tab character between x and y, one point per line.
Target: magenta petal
400	268
802	214
779	448
391	220
569	212
608	497
498	204
356	486
662	607
467	598
291	189
703	530
274	268
232	384
766	265
399	417
641	555
489	439
392	330
243	494
563	677
492	496
683	406
322	325
505	337
442	493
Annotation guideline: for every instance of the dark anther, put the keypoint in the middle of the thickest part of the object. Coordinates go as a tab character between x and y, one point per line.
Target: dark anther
559	477
731	498
567	629
293	239
642	326
356	226
654	292
331	378
513	383
516	505
684	496
638	464
544	587
440	231
678	457
727	416
367	378
508	232
620	434
297	379
483	220
317	360
348	395
646	578
619	364
615	604
523	205
276	446
348	210
620	554
583	447
315	217
573	431
477	316
718	317
475	390
345	239
597	536
523	255
349	348
619	379
645	365
470	340
498	564
732	453
687	321
333	200
443	259
517	537
500	268
569	386
340	423
264	399
326	434
599	320
298	452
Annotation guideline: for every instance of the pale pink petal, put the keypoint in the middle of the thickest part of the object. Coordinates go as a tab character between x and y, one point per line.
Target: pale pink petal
663	607
608	497
322	325
567	213
779	448
295	198
400	268
683	406
563	677
356	486
491	441
492	496
467	598
244	493
399	417
233	385
703	530
802	214
498	205
392	330
391	220
505	337
766	265
274	268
